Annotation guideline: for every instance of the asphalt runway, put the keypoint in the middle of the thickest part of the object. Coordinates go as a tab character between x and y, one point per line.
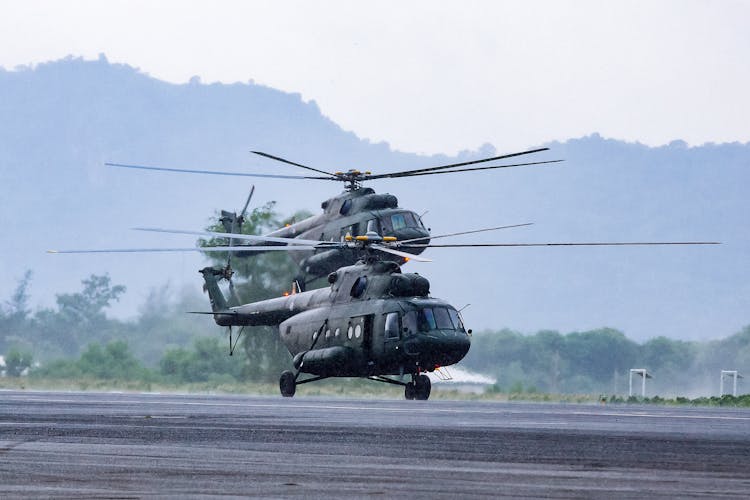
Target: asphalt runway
112	445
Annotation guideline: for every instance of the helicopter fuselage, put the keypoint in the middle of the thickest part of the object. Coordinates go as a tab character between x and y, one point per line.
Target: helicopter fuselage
350	213
372	320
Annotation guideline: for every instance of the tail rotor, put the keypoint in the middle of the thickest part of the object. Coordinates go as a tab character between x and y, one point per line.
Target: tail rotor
233	225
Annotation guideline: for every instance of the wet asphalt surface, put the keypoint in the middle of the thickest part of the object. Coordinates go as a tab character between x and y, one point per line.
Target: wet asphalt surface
111	445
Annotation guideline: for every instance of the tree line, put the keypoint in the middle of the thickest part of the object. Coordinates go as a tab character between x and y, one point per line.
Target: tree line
599	361
76	338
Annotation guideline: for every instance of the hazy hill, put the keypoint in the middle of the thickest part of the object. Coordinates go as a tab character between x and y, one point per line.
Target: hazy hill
60	121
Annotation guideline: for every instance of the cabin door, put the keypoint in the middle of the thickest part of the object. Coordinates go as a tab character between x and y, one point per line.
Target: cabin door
367	336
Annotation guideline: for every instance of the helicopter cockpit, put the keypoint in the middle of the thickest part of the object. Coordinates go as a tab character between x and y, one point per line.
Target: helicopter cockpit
433	318
434	334
399	220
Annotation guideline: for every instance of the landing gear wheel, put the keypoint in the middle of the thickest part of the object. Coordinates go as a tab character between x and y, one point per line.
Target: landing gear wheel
422	387
287	384
409	391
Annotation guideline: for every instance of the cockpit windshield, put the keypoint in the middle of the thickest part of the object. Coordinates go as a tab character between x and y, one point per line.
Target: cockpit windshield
426	320
433	318
400	220
442	319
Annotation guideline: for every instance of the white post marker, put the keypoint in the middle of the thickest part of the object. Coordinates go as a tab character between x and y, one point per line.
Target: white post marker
729	373
644	374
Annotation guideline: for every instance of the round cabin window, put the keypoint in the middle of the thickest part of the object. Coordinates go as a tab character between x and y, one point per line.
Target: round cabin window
336	334
350	331
358	331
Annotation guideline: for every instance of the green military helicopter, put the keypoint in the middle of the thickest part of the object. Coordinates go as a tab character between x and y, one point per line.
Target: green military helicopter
350	212
373	321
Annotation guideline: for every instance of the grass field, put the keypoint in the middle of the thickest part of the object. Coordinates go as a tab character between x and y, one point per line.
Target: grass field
348	388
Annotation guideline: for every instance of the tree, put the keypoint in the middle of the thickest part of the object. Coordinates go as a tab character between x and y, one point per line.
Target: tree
668	355
111	361
259	277
597	353
207	361
88	305
79	318
16	362
15	314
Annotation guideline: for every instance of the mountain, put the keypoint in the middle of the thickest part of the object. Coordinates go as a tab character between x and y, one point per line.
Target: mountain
60	121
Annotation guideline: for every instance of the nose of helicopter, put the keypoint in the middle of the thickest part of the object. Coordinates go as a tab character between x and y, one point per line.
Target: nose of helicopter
439	348
411	233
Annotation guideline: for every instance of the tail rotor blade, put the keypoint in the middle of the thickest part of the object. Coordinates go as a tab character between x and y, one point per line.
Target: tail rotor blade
238	221
247	203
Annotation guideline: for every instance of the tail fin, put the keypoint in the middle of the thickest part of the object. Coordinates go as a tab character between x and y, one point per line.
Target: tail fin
211	276
230	222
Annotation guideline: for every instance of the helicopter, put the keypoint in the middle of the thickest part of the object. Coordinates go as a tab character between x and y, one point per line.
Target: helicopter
351	212
373	321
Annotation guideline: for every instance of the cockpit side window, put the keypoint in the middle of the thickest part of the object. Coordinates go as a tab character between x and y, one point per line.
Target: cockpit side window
345	207
385	225
358	288
398	221
426	320
391	326
456	319
442	318
410	322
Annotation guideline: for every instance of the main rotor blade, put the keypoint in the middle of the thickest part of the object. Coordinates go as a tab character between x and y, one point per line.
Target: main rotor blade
191	249
236	236
465	232
216	172
261	153
413	174
406	255
565	244
452	165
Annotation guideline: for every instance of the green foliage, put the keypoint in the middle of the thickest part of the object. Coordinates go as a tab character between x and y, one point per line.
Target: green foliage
112	361
601	351
598	361
262	275
259	277
163	323
668	354
88	305
15	314
551	362
158	336
79	319
16	362
206	361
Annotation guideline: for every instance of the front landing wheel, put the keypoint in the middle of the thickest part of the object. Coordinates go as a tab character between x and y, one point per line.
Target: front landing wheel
287	384
422	387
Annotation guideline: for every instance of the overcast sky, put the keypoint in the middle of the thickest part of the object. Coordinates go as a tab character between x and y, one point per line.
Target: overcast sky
435	77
